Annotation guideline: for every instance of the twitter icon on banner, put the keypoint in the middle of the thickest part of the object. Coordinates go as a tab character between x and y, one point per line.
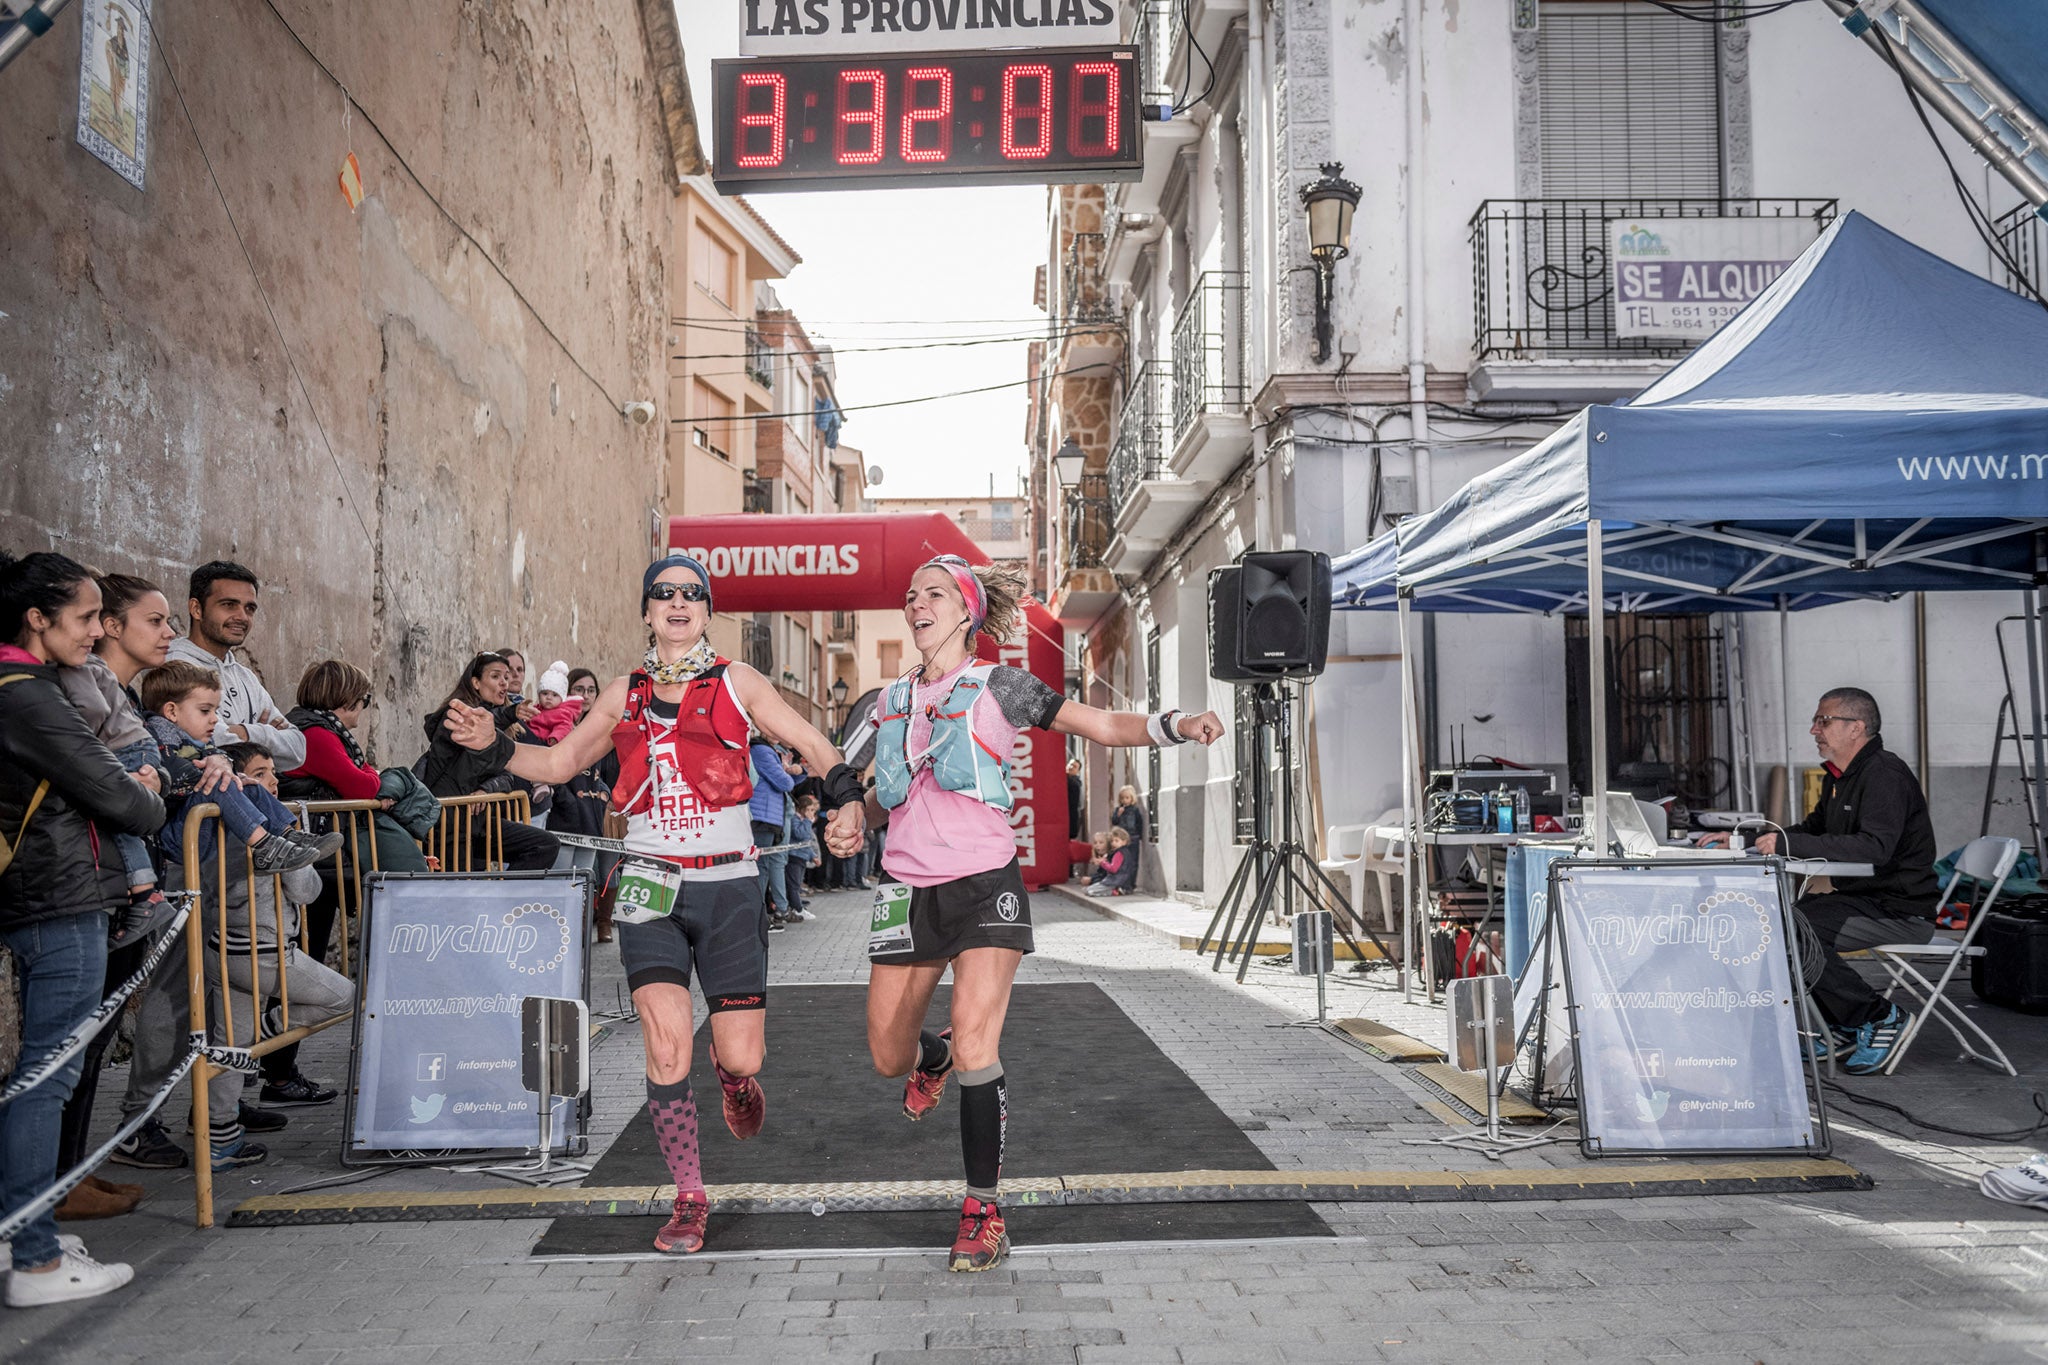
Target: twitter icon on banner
428	1109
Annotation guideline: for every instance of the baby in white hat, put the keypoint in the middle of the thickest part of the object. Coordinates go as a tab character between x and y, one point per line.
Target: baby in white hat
558	711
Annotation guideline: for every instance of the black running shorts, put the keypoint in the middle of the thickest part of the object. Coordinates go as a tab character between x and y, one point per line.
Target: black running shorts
719	929
988	910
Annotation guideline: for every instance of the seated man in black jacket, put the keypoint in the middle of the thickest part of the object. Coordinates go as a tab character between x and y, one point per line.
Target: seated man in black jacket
1871	811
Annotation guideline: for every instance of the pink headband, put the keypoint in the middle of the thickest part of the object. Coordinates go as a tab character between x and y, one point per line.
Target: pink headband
971	590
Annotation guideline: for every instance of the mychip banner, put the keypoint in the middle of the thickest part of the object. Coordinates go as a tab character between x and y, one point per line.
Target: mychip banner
448	960
1685	1011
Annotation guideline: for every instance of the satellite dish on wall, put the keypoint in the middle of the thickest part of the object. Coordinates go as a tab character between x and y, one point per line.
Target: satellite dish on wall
874	476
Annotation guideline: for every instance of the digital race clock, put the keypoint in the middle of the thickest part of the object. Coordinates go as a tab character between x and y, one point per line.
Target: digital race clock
1034	115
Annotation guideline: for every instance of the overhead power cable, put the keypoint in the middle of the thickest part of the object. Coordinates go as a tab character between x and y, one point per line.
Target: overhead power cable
890	403
1018	340
290	359
435	200
1721	11
1979	219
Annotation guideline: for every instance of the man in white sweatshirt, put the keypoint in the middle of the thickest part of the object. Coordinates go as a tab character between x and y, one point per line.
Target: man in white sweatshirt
222	608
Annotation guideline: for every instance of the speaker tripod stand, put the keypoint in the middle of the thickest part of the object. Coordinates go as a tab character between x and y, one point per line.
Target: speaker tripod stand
1278	862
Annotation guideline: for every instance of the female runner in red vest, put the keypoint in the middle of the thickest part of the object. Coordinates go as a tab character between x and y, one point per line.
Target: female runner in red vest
953	893
680	724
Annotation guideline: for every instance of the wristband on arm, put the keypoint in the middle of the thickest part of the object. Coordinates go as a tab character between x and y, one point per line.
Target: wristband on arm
1164	729
842	785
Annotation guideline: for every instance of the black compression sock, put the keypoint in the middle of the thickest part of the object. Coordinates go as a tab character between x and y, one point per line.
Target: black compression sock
984	1115
934	1054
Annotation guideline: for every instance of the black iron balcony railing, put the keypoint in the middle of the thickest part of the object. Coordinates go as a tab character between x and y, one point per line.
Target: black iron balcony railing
1084	293
760	359
1138	454
1086	532
757	495
1541	283
2024	236
757	647
1208	349
1153	37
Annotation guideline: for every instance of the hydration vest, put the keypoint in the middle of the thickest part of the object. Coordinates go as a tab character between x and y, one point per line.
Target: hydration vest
961	760
710	744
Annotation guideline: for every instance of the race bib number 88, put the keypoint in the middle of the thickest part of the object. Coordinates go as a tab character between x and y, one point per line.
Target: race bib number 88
889	926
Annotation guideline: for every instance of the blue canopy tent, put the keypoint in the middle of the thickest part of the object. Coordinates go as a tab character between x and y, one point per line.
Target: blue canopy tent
1874	423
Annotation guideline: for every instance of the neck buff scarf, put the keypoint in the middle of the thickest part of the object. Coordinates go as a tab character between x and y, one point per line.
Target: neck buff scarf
970	587
314	717
700	657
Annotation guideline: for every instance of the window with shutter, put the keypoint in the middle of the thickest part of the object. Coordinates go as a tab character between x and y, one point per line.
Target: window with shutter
1630	102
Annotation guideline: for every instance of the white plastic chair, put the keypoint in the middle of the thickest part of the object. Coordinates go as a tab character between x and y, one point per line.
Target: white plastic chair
1357	851
1989	860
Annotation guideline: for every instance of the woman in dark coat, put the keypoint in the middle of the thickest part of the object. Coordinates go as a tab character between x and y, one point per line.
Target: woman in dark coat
448	769
63	796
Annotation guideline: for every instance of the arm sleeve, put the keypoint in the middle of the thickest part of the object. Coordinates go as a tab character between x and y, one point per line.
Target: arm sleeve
327	761
1027	701
1881	823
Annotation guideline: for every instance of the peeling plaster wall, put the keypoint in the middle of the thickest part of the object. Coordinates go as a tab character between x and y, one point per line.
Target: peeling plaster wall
474	487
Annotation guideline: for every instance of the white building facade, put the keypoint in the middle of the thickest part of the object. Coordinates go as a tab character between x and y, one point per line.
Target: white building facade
1493	140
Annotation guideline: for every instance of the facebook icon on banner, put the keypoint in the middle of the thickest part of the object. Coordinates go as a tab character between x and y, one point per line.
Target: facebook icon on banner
433	1066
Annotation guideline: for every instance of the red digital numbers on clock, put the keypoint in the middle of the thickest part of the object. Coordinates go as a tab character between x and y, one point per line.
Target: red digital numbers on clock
863	105
927	114
885	119
1026	119
1092	113
758	88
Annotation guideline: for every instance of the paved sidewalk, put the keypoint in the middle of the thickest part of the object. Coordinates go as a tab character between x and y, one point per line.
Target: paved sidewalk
1919	1267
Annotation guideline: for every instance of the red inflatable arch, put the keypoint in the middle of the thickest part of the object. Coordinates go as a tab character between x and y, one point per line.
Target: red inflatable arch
862	563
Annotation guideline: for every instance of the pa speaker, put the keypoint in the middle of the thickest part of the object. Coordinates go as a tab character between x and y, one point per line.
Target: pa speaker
1269	616
1283	626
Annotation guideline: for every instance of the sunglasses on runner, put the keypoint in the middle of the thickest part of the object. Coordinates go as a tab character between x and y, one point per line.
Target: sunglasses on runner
689	592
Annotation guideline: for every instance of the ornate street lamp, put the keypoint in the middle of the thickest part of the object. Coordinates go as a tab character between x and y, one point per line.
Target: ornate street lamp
1068	462
1329	203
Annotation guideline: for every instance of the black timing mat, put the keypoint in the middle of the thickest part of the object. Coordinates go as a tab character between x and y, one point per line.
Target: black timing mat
1090	1094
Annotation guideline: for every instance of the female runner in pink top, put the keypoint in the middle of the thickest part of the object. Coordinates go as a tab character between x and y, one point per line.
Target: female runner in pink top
953	859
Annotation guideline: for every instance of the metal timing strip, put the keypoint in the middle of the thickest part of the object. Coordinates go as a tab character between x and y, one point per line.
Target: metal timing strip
1607	1181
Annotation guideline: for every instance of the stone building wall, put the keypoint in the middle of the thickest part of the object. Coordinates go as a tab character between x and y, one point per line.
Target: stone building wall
404	416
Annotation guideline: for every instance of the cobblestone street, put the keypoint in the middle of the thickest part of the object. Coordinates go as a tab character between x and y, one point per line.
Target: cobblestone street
1921	1266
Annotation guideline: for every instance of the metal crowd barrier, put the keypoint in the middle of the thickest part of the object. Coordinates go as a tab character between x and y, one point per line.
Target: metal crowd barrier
468	838
468	820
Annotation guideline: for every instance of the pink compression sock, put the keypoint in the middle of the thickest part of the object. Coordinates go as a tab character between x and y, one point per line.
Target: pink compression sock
673	1109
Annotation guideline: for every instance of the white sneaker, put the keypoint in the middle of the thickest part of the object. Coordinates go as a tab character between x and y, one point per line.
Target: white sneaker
77	1276
806	914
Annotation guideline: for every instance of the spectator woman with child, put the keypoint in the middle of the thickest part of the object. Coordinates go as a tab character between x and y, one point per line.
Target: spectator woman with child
63	796
449	769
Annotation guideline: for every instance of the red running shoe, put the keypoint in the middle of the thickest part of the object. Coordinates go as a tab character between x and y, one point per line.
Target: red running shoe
684	1232
743	1101
982	1241
922	1091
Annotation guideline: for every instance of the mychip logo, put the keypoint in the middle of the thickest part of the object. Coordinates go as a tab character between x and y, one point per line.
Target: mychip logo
533	939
